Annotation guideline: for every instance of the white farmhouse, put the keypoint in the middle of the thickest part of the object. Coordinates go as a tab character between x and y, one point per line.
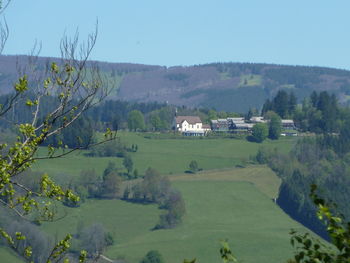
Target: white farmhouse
189	125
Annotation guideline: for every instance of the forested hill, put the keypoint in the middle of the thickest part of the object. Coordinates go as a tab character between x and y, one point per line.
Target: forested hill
224	86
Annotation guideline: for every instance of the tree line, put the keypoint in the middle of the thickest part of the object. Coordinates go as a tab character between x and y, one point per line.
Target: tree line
320	160
155	188
318	113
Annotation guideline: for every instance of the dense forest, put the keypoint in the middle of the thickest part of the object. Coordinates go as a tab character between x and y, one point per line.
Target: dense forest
321	157
224	86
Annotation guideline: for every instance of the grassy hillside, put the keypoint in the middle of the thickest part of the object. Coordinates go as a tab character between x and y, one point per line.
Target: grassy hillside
225	86
169	156
7	256
235	204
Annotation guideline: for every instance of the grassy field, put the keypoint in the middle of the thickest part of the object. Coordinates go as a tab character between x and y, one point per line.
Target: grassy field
234	204
7	256
250	80
169	156
221	201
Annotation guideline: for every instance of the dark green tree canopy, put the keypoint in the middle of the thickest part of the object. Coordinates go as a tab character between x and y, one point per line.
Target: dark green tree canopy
284	104
260	132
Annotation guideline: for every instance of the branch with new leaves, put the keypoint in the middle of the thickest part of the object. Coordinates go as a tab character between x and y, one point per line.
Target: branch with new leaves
77	85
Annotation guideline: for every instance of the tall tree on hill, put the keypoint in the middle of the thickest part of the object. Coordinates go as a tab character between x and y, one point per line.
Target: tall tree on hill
314	99
328	106
249	114
281	103
266	107
292	103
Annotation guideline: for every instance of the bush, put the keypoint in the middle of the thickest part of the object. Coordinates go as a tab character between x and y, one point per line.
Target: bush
153	256
193	166
263	156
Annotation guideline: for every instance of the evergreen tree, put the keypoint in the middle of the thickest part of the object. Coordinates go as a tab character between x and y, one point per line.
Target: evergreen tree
292	103
314	99
249	115
280	103
266	107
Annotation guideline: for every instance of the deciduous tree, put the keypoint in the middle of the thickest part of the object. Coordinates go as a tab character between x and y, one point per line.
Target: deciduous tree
260	132
76	85
136	120
275	126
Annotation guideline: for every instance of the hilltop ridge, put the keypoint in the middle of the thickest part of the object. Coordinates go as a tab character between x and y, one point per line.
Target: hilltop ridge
224	86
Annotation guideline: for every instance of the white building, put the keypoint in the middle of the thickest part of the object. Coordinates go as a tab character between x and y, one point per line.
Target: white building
189	125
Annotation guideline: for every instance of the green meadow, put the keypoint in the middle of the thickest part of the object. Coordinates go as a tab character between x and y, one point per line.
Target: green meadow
222	202
234	204
169	156
250	80
8	256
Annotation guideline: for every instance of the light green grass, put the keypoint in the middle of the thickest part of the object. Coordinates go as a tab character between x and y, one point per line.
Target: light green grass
234	204
261	176
70	166
225	75
8	256
250	80
169	156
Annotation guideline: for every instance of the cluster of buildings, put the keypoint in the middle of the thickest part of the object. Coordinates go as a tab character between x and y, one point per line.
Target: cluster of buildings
193	126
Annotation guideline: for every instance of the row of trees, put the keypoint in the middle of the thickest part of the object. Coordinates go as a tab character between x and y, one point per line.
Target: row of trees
319	113
94	239
146	116
314	160
92	185
271	130
155	188
284	104
115	148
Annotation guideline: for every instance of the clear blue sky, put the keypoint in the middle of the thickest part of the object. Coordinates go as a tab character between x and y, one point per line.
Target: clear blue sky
187	32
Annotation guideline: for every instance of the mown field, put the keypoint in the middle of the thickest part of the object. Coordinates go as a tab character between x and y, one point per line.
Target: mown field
222	202
8	256
234	204
169	156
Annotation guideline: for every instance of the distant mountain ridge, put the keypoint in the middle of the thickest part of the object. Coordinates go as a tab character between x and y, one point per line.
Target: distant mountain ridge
224	86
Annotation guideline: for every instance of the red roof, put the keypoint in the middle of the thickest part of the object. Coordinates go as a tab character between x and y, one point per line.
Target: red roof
189	119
